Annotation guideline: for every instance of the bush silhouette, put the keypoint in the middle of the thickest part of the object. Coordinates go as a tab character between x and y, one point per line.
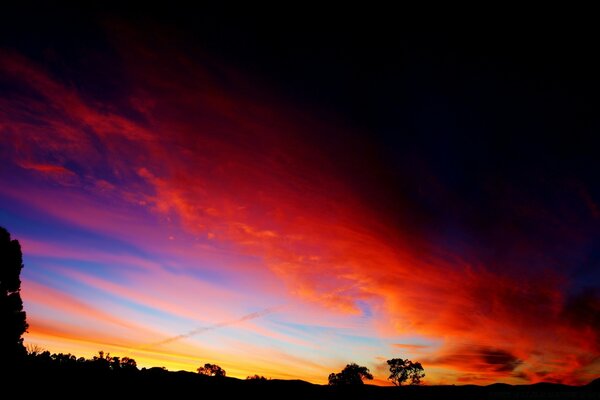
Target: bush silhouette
352	374
12	315
402	370
256	377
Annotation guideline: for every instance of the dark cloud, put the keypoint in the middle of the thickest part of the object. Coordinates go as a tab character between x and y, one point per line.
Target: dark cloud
487	359
583	308
522	375
501	360
582	311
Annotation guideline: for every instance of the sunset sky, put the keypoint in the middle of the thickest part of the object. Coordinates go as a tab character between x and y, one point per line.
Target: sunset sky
286	196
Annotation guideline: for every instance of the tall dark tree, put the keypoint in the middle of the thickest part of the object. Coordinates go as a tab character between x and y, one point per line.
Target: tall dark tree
352	374
403	370
12	316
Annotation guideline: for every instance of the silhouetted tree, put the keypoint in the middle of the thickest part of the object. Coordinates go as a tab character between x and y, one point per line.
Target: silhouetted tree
102	361
12	316
403	370
352	374
44	358
128	364
211	370
33	350
64	360
115	363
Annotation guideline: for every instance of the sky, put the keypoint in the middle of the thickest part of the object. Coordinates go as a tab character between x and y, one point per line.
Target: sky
286	196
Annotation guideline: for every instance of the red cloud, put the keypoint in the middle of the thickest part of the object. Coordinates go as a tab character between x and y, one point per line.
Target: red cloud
250	174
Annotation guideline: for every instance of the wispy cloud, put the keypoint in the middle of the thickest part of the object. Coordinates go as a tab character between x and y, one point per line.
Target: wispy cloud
199	330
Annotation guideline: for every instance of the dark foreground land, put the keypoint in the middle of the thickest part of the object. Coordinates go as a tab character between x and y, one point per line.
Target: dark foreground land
65	383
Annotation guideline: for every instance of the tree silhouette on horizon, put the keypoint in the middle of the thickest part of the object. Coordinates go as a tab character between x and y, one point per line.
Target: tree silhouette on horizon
211	370
13	318
352	374
403	370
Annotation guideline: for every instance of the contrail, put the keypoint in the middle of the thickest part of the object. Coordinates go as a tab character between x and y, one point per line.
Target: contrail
256	314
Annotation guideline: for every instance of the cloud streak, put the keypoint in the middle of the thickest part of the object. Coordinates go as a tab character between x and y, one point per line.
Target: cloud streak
202	329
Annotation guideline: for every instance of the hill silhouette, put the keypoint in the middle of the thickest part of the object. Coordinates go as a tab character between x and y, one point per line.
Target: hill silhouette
42	373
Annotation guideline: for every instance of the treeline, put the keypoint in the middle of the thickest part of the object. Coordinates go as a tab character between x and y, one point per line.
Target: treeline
37	357
66	376
102	362
353	374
